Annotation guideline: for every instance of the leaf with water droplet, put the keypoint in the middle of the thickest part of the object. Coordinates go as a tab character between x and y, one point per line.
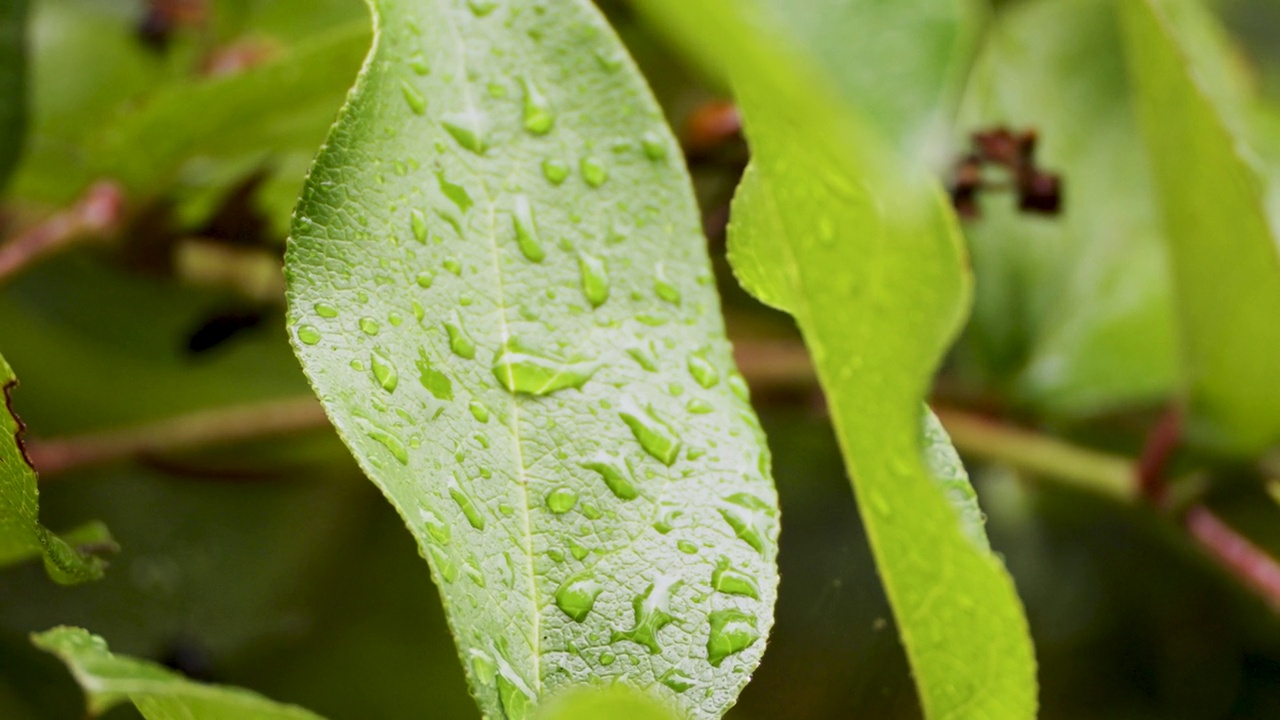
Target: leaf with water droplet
538	445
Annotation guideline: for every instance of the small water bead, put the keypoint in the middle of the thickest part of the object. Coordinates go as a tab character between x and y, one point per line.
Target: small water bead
702	370
655	436
435	381
644	356
591	512
655	148
739	386
686	547
418	63
676	680
443	563
555	170
482	7
578	550
525	372
418	223
460	341
467	506
526	229
538	118
425	279
384	372
729	580
455	193
472	568
607	658
747	515
468	128
395	319
418	311
308	335
561	500
416	101
663	287
326	311
595	279
577	595
388	440
652	613
479	411
698	406
369	326
732	631
593	171
453	266
437	529
616	475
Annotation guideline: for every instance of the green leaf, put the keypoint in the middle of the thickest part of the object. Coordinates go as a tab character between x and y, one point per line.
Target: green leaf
22	537
158	693
1222	240
615	701
499	288
836	227
1072	313
13	84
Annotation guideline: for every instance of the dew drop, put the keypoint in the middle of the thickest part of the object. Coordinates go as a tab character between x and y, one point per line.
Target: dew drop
388	440
703	371
525	372
384	372
425	279
436	528
607	658
595	279
468	128
416	101
726	579
527	229
472	568
455	193
653	146
676	680
444	564
308	335
577	595
739	386
561	500
325	310
593	170
644	356
479	411
418	63
577	549
746	514
369	326
616	475
698	406
435	381
555	170
453	266
686	547
654	435
732	631
418	223
652	613
469	509
482	7
459	339
538	118
664	289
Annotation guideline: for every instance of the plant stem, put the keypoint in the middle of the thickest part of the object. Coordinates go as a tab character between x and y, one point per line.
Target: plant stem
199	429
1098	472
96	214
1235	553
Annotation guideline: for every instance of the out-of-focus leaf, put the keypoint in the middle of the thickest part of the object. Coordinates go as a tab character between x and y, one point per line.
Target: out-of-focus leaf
21	534
13	84
614	702
835	226
158	693
498	286
1072	313
1222	240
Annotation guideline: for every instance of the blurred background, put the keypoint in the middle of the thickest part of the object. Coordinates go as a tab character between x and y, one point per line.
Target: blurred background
276	566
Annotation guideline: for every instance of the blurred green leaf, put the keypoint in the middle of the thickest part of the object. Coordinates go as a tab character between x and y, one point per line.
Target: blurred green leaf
159	694
22	537
499	288
13	84
1222	240
1072	313
832	224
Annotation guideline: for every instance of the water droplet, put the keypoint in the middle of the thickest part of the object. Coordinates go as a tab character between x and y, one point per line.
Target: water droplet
595	279
676	680
739	386
436	528
524	372
652	613
453	266
418	223
593	171
369	326
561	500
326	311
472	568
727	579
388	440
483	667
667	522
663	288
468	507
607	658
576	596
435	381
616	476
455	193
732	631
686	547
526	229
577	549
416	101
308	335
555	170
444	564
479	411
644	356
703	371
653	145
459	339
698	406
468	128
482	7
747	515
654	435
418	63
384	372
538	118
425	279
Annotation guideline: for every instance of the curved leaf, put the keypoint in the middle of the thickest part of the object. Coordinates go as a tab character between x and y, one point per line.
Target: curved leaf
833	225
1222	239
158	693
21	535
13	84
499	288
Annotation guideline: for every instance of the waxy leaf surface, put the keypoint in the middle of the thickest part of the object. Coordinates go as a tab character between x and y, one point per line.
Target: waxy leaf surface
499	288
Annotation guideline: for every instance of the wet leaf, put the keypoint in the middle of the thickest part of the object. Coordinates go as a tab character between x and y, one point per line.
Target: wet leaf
498	226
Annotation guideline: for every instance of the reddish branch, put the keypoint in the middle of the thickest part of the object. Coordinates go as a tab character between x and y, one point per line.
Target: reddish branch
98	213
1246	561
1161	442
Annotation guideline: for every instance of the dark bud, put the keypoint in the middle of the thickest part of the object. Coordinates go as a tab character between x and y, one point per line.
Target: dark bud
1040	192
710	125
